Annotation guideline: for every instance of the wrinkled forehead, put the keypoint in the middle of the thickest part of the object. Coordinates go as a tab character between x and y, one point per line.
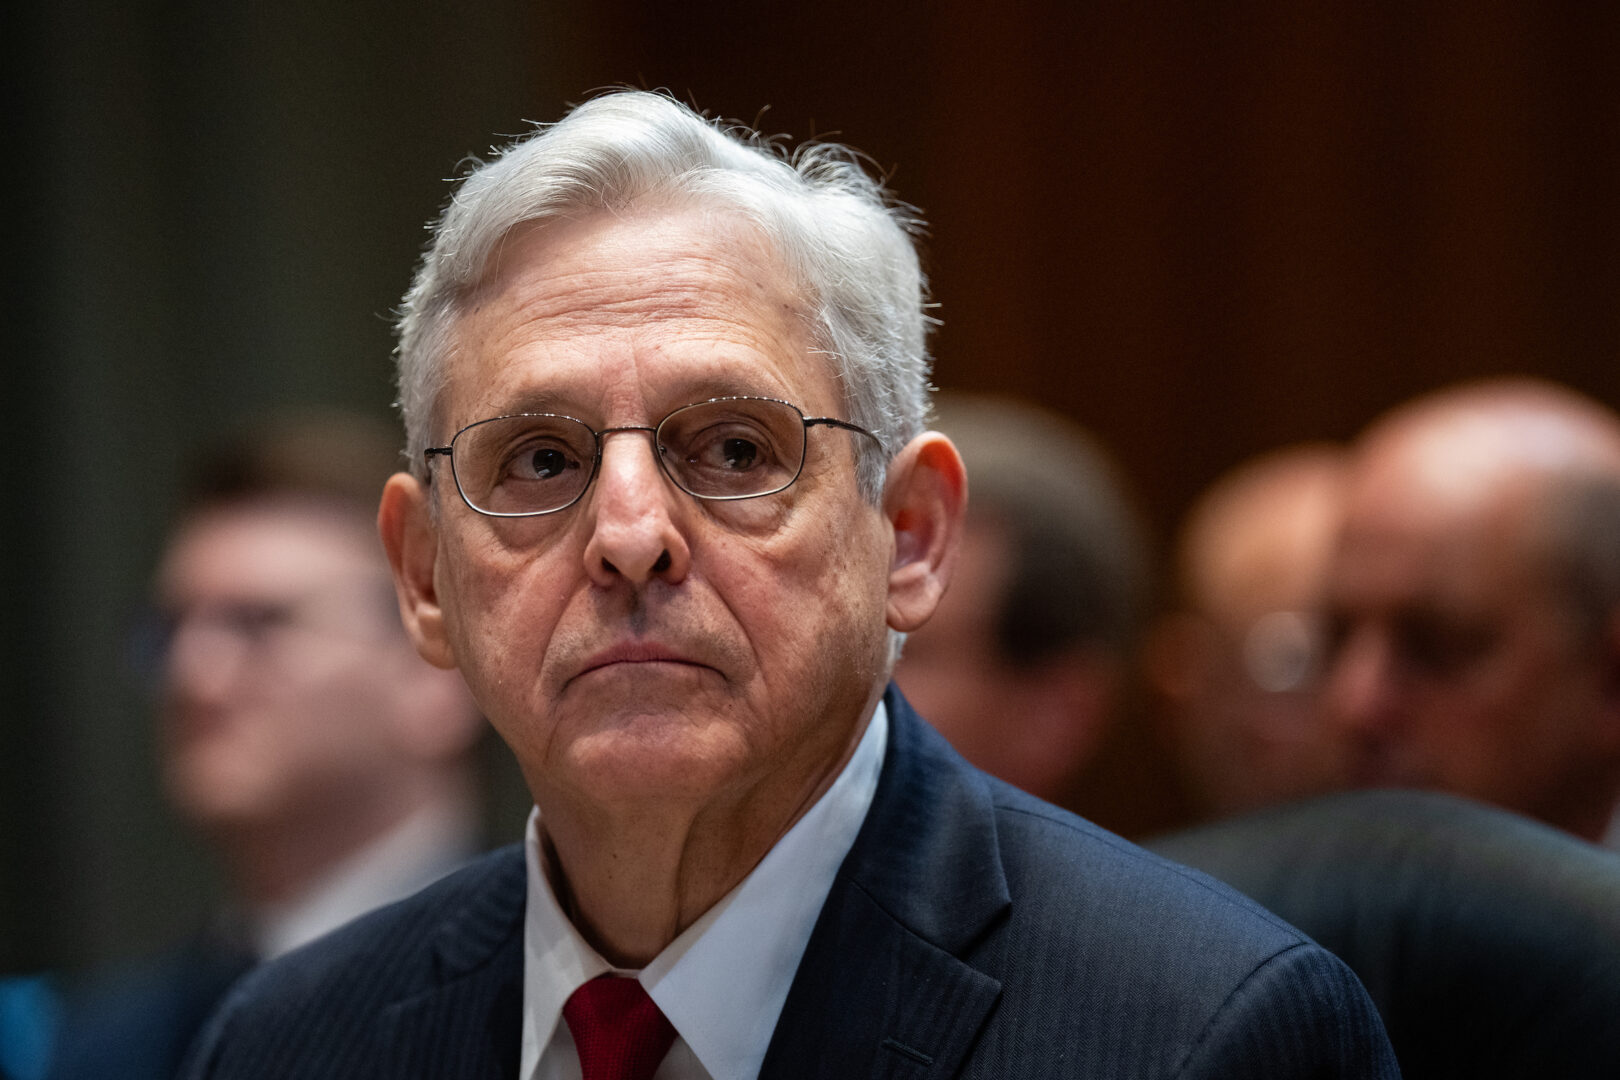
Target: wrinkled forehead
694	296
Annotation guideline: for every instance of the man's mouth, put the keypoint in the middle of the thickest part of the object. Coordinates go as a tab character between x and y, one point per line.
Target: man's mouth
636	653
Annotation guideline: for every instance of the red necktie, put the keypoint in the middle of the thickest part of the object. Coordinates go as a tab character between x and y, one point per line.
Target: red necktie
620	1033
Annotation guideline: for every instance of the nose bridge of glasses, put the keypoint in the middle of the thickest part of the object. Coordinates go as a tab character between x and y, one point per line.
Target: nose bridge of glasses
605	432
624	429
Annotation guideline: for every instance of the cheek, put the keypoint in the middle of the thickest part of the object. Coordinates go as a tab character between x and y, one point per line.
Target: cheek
499	607
329	712
306	724
822	606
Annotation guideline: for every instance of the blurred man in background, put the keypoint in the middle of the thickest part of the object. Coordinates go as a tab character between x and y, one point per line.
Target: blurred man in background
1474	602
1466	559
1237	666
329	767
1026	663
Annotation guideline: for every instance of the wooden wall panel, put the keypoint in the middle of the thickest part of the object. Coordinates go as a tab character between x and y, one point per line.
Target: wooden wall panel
1203	231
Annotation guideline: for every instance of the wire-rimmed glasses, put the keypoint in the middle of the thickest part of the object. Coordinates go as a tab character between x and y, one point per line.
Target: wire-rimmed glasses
725	448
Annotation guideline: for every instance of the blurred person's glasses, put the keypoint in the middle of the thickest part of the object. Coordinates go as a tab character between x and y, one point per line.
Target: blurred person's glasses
539	463
257	629
1283	652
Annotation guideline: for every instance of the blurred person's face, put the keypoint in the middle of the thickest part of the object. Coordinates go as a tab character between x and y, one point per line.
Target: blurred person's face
1253	735
1242	669
643	648
952	670
1033	725
282	664
1456	663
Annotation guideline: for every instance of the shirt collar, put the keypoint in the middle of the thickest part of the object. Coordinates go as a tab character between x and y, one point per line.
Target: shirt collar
723	982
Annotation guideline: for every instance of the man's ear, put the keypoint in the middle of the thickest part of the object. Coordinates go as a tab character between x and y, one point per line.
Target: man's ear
924	498
412	543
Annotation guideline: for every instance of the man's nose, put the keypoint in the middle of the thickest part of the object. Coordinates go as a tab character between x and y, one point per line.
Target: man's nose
1363	692
203	660
635	515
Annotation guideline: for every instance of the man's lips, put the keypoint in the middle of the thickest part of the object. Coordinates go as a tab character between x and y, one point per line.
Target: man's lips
636	653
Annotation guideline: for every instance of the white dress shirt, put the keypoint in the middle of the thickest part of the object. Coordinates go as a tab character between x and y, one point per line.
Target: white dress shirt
722	983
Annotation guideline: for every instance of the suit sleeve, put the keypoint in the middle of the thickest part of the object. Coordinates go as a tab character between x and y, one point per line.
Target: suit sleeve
1300	1014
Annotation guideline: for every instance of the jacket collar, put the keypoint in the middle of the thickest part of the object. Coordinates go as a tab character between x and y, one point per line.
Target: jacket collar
882	989
468	1021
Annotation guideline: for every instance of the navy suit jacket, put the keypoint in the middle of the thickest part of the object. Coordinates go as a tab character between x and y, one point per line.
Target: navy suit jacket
972	931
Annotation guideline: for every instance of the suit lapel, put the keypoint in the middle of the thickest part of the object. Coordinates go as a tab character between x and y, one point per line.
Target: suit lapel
881	991
468	1023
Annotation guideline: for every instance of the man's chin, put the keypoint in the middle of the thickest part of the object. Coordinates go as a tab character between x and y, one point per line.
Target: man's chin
213	795
648	755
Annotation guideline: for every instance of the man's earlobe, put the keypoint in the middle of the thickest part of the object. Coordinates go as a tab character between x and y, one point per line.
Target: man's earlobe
924	499
411	540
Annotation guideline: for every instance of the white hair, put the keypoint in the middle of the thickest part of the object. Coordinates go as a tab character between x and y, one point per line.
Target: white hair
835	230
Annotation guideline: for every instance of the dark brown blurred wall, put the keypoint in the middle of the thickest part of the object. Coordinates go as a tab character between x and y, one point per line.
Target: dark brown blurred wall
1204	230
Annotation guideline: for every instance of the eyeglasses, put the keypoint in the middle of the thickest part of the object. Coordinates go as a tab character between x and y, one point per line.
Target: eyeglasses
725	448
261	631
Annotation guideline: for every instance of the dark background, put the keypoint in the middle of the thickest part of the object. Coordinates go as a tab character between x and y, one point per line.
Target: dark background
1201	230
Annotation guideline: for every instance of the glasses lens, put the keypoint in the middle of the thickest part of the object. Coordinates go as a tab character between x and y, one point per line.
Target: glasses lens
733	448
523	464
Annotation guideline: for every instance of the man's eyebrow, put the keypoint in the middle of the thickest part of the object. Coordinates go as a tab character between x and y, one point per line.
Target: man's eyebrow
527	401
703	388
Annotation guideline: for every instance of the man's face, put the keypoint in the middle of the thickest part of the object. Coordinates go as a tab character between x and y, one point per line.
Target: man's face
1247	723
643	647
278	676
1454	662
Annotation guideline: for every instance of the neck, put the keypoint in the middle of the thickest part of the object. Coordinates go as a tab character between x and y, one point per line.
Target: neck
633	879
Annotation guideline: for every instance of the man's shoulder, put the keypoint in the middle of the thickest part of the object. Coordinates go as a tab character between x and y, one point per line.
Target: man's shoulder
1052	937
311	1010
1064	876
1128	929
1064	868
463	912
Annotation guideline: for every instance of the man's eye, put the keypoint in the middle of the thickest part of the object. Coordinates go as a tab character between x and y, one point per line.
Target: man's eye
739	453
541	463
255	621
1443	650
731	451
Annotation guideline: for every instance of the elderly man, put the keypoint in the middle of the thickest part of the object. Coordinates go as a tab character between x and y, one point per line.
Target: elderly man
671	505
1475	602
